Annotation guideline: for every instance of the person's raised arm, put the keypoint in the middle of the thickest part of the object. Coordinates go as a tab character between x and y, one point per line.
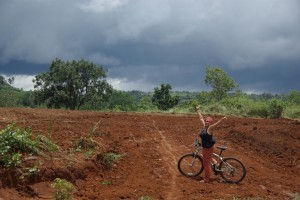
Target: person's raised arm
200	115
215	124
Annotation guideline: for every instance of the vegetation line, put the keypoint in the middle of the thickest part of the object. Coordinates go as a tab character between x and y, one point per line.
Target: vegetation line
81	85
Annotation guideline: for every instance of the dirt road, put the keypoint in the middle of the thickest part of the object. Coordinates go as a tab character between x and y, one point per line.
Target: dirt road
151	145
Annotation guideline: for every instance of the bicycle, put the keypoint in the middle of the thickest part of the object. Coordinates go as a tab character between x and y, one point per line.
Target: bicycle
231	169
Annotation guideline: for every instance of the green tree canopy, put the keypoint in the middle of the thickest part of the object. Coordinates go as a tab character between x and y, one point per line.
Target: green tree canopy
162	98
2	81
219	81
294	97
9	96
71	84
121	100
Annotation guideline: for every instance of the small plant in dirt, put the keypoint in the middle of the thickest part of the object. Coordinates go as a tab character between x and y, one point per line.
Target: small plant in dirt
146	198
29	171
108	159
63	189
89	144
106	182
93	130
13	142
17	150
248	198
46	145
16	142
85	143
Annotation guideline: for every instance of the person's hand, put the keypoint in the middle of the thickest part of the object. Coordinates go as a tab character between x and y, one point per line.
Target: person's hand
198	107
224	117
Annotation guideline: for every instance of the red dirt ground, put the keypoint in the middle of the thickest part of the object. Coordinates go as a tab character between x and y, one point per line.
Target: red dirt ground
151	145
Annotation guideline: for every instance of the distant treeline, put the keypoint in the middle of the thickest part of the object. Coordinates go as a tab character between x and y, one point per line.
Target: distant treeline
264	105
82	85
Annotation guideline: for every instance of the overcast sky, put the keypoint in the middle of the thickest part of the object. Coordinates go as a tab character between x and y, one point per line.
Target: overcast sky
144	43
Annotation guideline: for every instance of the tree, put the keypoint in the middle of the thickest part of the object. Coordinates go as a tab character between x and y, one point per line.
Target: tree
162	98
121	100
28	99
219	81
2	81
11	80
145	103
205	97
294	97
71	84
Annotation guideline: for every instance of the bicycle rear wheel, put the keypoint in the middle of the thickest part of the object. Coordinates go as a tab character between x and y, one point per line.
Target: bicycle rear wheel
190	165
232	170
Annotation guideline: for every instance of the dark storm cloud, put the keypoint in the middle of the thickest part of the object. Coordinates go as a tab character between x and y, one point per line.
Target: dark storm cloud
280	76
145	43
18	67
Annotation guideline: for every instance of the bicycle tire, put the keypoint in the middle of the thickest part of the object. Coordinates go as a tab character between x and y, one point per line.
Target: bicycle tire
190	165
232	170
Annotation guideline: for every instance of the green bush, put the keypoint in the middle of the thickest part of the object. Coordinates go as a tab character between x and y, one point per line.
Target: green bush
146	198
63	189
258	109
237	105
13	142
215	109
292	112
276	108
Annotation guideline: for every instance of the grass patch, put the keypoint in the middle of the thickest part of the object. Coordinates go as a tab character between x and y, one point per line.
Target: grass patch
108	159
88	144
106	182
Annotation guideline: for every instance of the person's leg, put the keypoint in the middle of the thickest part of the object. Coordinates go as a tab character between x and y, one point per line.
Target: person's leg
207	157
214	161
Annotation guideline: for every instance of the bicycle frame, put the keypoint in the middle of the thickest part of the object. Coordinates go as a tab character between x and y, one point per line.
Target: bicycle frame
231	169
215	155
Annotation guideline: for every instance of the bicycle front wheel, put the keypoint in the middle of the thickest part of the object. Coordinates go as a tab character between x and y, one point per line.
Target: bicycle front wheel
232	170
190	165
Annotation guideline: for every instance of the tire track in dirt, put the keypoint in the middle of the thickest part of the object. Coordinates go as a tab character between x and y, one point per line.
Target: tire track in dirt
170	159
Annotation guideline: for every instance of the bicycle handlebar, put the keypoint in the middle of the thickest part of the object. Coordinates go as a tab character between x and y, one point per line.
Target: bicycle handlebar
198	145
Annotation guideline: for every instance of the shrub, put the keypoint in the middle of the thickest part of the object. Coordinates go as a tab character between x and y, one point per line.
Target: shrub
63	189
237	105
276	108
215	108
292	112
13	142
258	110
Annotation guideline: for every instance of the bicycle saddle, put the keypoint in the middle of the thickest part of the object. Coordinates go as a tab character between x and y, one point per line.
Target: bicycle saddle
222	148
